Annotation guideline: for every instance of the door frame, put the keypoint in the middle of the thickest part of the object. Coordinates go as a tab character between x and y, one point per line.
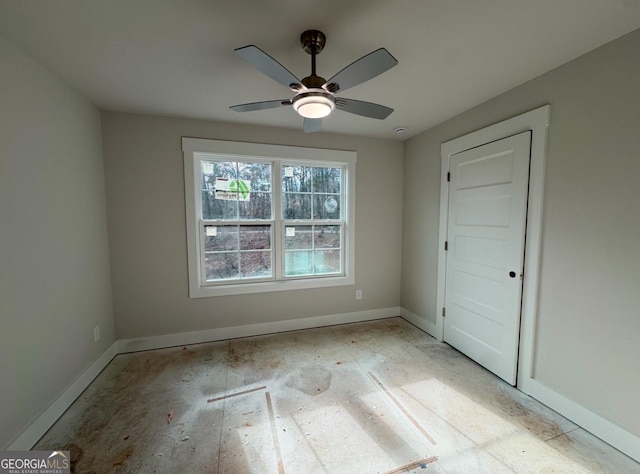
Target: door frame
537	121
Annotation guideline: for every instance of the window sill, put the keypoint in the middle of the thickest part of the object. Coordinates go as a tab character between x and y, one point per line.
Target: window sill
269	286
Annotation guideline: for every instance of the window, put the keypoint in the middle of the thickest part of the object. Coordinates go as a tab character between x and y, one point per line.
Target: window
267	217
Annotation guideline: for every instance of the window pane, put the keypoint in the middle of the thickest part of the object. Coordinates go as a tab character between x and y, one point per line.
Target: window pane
255	237
220	238
296	206
213	207
257	207
233	252
224	169
217	204
311	192
327	180
216	169
257	174
326	206
298	237
221	266
296	179
233	190
255	264
327	261
326	236
298	263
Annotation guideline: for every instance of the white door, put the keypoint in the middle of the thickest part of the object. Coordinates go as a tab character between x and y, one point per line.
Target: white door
485	239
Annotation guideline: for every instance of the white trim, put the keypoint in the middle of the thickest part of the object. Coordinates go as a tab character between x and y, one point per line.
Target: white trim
36	430
607	431
270	286
442	238
419	322
194	148
43	422
220	334
538	122
610	433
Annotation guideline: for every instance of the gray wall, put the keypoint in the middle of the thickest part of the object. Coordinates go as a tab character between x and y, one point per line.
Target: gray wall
54	264
589	297
146	208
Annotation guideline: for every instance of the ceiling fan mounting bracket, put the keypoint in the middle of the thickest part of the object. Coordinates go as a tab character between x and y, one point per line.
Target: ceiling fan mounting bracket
313	41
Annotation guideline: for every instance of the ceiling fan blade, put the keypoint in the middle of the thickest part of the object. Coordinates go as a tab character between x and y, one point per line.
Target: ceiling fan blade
312	125
366	109
361	70
266	104
269	66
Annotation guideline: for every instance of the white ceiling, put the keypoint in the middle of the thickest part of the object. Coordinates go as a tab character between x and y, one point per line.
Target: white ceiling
175	57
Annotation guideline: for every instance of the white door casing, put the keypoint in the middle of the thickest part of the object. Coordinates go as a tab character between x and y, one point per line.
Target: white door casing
486	234
537	121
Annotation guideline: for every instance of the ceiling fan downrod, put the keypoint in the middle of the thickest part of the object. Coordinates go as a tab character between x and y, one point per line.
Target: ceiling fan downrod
313	42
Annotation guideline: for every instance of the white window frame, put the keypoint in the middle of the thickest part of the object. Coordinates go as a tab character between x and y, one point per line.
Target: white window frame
193	151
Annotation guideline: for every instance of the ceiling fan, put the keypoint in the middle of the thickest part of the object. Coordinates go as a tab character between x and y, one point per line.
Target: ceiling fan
315	97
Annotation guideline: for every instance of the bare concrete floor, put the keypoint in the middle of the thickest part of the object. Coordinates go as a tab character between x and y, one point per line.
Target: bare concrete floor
376	397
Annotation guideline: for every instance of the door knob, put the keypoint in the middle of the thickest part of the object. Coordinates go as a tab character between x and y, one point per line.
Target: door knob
512	274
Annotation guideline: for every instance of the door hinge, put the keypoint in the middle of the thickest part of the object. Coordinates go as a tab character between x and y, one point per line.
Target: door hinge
448	176
443	312
446	245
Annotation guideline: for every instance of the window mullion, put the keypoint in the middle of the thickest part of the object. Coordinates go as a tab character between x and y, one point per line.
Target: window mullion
197	204
203	265
239	251
278	229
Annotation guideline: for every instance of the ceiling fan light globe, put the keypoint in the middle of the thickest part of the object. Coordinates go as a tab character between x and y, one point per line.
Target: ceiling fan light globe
314	105
314	110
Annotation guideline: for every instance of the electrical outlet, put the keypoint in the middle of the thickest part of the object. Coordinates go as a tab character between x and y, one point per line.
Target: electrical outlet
358	294
96	334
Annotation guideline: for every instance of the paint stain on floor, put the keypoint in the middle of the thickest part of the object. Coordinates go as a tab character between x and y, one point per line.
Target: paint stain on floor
123	456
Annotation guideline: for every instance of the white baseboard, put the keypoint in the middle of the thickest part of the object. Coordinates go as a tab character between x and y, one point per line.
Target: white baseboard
210	335
598	426
422	323
610	433
30	436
